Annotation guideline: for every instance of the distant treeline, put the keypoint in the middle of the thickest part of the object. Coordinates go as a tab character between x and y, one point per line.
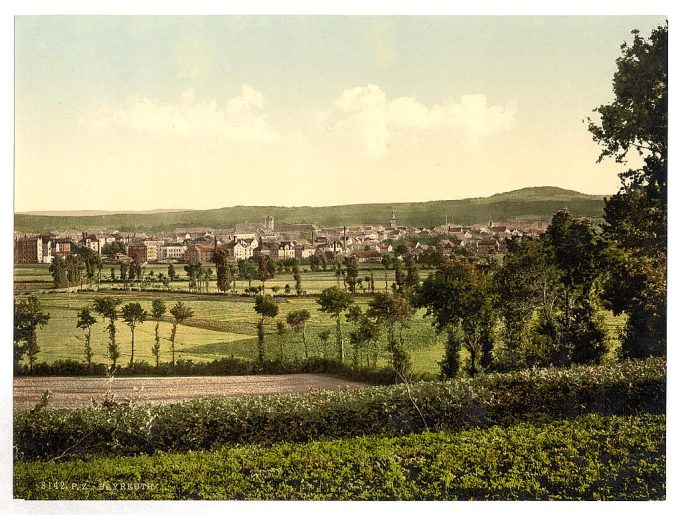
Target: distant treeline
528	203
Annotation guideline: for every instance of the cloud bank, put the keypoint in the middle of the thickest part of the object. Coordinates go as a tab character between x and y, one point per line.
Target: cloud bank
368	114
242	119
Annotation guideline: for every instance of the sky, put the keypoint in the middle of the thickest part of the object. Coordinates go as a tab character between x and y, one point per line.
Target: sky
199	112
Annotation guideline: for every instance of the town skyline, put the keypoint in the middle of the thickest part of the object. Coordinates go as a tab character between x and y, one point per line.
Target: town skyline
206	112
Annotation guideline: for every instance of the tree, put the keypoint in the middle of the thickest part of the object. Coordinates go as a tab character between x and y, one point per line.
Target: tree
180	312
194	271
107	307
298	321
265	269
85	322
115	247
223	270
247	270
265	306
412	278
335	301
386	262
576	251
458	298
58	271
158	309
636	122
172	273
524	283
398	274
324	336
352	273
281	331
133	314
124	274
28	317
391	311
297	277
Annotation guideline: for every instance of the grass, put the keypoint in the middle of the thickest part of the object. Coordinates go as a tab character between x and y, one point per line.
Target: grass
219	328
225	326
589	458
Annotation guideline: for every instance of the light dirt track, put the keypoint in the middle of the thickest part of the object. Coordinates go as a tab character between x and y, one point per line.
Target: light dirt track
78	392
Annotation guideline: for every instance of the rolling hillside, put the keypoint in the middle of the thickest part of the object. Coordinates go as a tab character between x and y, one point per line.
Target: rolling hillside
526	203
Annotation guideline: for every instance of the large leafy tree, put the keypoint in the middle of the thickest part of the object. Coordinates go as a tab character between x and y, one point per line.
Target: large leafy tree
393	312
458	297
28	317
335	301
223	270
635	124
133	314
58	271
266	307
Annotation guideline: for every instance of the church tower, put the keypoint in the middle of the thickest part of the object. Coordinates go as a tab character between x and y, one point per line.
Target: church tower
269	223
393	221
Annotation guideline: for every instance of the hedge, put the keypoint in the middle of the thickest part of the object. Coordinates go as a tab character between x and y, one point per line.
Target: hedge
589	458
219	367
538	394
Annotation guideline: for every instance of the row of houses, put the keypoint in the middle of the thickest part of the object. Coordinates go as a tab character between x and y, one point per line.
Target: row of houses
367	242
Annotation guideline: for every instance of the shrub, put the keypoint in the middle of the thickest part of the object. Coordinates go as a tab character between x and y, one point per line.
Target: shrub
487	400
591	457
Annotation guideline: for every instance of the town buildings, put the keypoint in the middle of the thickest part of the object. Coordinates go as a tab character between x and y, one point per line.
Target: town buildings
279	241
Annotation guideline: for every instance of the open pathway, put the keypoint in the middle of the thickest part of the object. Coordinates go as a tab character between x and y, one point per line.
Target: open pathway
77	392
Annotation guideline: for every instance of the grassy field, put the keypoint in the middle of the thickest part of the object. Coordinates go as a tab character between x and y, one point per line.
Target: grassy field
526	203
222	326
589	458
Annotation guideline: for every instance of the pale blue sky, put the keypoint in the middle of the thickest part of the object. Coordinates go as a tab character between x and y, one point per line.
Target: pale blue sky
312	110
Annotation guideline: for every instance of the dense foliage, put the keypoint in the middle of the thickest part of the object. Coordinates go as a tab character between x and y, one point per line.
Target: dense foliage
490	399
589	458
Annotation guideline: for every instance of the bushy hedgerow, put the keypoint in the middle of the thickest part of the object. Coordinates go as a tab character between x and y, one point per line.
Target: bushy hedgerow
220	367
589	458
539	394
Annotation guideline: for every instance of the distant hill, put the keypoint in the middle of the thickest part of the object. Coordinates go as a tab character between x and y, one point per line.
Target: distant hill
527	203
85	212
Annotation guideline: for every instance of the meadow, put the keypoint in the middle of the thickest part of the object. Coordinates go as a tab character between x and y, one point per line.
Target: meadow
222	325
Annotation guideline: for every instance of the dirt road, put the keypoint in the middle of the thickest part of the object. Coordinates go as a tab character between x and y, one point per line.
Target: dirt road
76	392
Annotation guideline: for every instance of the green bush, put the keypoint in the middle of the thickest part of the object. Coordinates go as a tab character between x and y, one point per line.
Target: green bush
539	394
219	367
592	457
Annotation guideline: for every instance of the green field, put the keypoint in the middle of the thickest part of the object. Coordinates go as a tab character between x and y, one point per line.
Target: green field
590	458
526	203
223	325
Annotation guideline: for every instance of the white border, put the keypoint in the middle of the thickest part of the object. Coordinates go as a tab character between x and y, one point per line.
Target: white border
11	8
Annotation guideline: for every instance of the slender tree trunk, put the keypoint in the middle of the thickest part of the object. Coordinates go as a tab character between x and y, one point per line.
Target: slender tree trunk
386	285
304	340
341	343
260	340
158	342
132	347
172	342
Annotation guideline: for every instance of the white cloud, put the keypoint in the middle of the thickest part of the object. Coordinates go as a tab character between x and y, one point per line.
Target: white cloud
366	112
242	119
